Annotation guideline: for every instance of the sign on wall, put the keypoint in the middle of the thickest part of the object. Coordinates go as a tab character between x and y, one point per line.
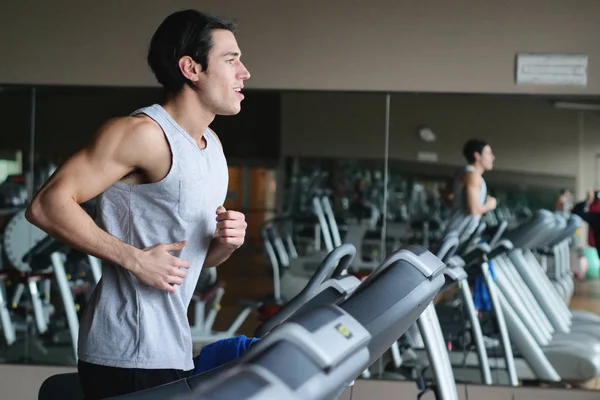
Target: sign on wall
552	69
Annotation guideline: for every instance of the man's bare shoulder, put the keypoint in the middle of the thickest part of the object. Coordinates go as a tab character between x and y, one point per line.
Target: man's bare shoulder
130	134
472	178
135	141
131	128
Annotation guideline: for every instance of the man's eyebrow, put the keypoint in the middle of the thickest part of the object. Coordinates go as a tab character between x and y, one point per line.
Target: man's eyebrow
231	54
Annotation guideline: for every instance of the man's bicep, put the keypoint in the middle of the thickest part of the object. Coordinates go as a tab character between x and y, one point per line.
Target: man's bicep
110	156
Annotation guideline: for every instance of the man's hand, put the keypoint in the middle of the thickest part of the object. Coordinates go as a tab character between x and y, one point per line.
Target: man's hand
231	228
491	203
157	268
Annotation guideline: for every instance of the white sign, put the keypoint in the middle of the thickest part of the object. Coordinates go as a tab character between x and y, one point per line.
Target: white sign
552	69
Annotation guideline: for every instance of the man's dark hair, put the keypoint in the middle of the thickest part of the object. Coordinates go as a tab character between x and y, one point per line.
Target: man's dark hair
471	147
183	33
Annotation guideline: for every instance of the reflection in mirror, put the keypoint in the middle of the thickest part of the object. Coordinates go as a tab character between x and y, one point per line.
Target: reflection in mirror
332	188
24	290
334	201
527	153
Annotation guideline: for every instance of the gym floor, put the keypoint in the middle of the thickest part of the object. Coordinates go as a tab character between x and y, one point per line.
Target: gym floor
246	275
587	296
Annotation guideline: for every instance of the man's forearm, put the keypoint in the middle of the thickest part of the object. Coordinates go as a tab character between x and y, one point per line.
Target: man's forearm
217	253
484	208
478	209
67	222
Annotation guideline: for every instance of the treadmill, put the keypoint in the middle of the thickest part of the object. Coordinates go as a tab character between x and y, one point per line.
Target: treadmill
541	352
455	275
476	260
297	270
318	292
472	257
426	334
572	347
317	353
554	255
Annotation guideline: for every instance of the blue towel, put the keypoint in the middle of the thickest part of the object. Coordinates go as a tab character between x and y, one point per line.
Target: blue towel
223	351
481	297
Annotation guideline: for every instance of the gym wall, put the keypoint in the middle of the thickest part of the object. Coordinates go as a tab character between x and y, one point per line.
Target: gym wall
400	45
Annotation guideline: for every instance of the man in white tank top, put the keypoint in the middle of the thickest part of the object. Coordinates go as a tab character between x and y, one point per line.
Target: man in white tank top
470	198
161	177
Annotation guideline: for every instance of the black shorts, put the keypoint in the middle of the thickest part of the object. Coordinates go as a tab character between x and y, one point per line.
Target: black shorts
99	382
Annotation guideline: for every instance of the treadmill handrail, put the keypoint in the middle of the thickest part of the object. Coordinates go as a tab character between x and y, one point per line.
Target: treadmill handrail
341	257
413	254
448	247
499	232
477	255
503	246
456	261
573	223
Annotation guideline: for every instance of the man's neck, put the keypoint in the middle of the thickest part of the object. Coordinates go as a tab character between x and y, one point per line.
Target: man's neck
189	113
478	167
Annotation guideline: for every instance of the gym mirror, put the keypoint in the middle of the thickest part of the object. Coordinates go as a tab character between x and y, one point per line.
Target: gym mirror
22	301
534	154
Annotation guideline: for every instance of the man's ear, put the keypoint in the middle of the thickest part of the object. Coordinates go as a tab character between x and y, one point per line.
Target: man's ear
189	68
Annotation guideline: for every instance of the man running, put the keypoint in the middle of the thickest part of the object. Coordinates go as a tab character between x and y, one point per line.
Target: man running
161	177
470	198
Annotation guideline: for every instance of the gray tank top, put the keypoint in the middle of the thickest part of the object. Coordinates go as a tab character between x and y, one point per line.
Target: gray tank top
460	199
128	324
461	217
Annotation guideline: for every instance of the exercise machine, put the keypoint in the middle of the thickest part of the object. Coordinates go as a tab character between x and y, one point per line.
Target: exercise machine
555	255
318	353
430	342
329	284
209	293
471	259
297	270
35	261
331	291
572	347
456	276
540	353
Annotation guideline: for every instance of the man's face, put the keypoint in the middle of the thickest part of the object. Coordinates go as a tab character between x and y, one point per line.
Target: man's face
220	86
486	158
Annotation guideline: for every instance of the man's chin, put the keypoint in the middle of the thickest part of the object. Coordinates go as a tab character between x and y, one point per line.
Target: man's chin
230	111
